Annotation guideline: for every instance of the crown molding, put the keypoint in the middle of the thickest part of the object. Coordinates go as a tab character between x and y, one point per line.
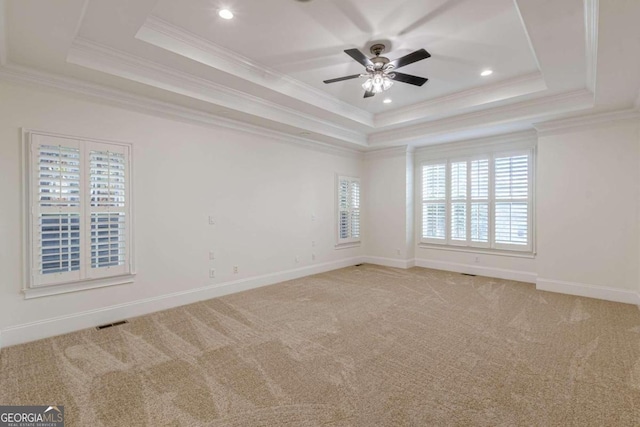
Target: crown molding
111	61
103	94
502	115
175	39
591	14
585	121
400	151
527	138
450	104
3	33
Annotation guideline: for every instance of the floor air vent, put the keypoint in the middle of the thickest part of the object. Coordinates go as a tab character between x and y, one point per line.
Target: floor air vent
109	325
358	265
467	274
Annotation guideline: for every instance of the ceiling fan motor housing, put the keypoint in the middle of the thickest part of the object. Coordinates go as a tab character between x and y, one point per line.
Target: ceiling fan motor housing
378	61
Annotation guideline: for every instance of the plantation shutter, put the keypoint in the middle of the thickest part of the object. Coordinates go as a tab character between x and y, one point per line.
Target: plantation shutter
56	212
479	215
512	201
348	209
434	216
458	201
355	209
80	210
108	207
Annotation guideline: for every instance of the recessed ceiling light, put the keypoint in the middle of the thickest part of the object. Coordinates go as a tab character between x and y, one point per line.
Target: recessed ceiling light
225	14
486	73
387	101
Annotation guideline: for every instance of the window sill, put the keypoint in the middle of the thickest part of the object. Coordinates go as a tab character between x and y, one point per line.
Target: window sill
84	285
347	245
514	254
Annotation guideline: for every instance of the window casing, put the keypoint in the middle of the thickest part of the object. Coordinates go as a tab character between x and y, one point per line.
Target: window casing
480	201
79	228
348	210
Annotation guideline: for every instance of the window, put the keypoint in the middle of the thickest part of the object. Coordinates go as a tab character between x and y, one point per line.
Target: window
80	213
348	210
480	201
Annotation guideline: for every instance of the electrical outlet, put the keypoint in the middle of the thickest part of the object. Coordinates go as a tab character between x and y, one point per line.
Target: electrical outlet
313	257
477	260
235	269
297	259
212	274
313	243
212	220
212	255
398	251
313	217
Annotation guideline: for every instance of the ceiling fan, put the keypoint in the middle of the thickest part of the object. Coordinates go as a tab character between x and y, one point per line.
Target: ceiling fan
380	72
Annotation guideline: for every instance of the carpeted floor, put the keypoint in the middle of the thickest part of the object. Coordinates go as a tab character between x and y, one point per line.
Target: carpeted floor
361	346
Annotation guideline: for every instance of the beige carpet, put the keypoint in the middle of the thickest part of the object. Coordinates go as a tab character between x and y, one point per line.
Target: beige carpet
361	346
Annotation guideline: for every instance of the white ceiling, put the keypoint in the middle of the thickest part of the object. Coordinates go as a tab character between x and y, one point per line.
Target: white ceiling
306	41
551	59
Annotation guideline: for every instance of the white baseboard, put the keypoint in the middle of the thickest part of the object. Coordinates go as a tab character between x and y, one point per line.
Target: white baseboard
87	319
499	273
389	262
590	291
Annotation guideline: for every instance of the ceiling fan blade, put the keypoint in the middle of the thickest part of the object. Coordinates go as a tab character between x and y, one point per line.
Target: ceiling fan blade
418	55
408	78
359	56
339	79
369	94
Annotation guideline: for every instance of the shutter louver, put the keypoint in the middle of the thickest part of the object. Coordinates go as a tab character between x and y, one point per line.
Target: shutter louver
512	177
480	201
512	200
458	201
480	222
343	202
107	189
511	223
57	218
433	182
355	209
480	179
434	220
434	213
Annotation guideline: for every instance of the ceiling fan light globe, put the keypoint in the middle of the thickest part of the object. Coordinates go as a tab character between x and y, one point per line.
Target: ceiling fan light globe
378	82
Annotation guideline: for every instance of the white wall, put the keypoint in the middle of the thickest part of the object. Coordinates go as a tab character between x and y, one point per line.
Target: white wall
387	199
262	192
588	191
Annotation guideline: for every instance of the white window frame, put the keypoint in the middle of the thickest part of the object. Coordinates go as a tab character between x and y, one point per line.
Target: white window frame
36	285
349	242
468	246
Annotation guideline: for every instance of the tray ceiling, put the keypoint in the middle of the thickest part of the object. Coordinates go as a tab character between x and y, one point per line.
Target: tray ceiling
266	66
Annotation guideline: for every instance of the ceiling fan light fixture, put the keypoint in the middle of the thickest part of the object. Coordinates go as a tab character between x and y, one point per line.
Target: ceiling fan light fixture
377	82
